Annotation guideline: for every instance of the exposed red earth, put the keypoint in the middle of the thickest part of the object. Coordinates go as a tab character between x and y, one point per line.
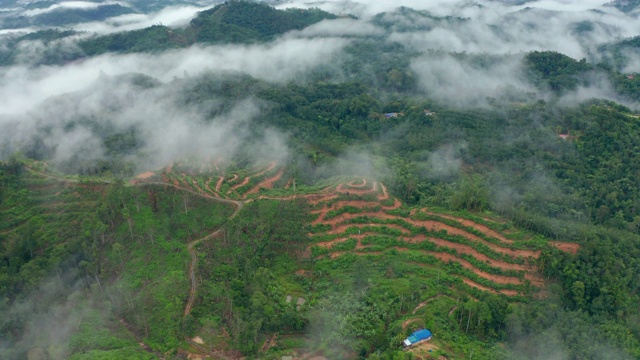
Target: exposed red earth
356	184
219	183
468	223
206	185
446	258
342	228
339	225
566	247
498	279
433	226
142	177
484	288
357	191
265	184
409	322
385	194
271	166
422	304
243	183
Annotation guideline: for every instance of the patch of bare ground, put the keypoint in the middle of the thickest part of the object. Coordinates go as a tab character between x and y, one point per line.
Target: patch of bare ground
465	249
196	186
314	199
142	177
271	166
468	223
421	350
359	204
336	254
342	228
409	322
328	244
468	250
266	184
385	194
484	288
422	304
357	191
219	183
445	257
566	247
243	183
321	214
269	343
356	184
498	279
208	188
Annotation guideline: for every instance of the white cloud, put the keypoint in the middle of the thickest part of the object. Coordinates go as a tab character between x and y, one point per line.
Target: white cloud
459	82
338	28
566	5
23	87
72	5
172	16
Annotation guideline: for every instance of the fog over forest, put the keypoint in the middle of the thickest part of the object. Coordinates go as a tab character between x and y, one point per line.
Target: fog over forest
37	97
118	88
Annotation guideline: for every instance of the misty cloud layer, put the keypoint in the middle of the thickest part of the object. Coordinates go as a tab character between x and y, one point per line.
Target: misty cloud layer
446	68
83	90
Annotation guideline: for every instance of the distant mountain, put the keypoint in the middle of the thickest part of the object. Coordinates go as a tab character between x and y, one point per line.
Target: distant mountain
625	6
47	14
230	22
244	21
405	19
20	14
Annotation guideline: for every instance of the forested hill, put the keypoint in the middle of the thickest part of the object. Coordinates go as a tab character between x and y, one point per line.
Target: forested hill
229	22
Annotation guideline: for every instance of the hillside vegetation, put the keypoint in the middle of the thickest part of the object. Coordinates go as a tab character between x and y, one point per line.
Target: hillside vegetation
320	213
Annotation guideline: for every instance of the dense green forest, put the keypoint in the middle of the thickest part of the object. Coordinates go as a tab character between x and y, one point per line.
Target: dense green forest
95	261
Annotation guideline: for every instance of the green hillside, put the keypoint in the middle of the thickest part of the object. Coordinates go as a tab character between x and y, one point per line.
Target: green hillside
229	22
320	206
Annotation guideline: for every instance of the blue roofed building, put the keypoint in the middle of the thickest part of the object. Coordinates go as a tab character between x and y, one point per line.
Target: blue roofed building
416	337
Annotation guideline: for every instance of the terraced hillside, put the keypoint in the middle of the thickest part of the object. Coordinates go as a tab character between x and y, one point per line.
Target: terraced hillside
215	180
441	260
360	218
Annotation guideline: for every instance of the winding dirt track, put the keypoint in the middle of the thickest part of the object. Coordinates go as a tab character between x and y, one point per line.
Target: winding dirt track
219	183
484	288
267	184
360	190
243	183
359	204
208	188
422	304
385	194
357	185
271	166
